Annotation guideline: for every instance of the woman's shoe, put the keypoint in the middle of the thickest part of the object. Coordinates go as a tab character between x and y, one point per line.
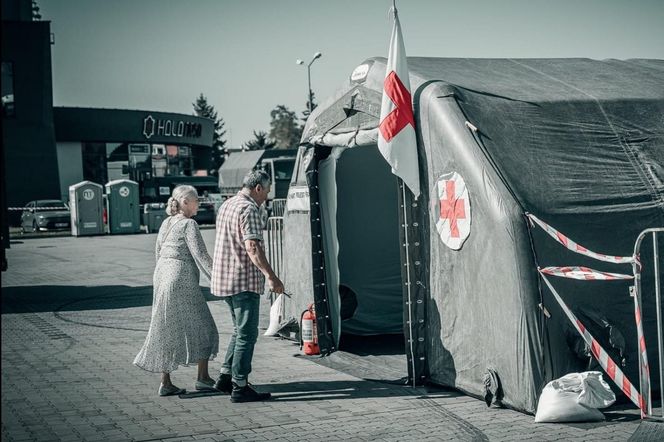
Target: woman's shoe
170	390
205	385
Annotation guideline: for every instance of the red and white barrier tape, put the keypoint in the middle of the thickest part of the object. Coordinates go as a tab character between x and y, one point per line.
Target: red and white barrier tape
584	273
608	364
39	209
578	248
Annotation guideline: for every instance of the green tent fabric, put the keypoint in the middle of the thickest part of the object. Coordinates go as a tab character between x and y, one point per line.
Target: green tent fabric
577	142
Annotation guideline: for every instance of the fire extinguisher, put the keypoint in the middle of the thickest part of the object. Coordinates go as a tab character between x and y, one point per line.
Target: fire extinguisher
309	332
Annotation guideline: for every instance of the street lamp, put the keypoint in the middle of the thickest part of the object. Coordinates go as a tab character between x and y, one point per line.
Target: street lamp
317	55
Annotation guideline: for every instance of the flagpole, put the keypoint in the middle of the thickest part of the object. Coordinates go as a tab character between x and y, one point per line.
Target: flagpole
407	245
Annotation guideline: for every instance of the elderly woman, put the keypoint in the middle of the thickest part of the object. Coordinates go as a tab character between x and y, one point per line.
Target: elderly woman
182	330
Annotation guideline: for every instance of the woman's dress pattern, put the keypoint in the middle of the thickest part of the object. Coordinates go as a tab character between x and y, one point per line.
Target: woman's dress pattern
182	329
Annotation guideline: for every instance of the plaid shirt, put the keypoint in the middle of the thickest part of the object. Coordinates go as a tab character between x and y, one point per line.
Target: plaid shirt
232	269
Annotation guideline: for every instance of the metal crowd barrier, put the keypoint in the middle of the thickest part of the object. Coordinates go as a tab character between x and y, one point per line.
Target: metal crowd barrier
641	398
278	206
275	240
644	375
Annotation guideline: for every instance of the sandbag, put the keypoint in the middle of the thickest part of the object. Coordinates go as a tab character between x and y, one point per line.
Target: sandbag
595	392
575	397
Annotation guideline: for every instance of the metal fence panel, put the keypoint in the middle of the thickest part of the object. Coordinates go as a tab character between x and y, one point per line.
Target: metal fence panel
275	240
644	370
278	207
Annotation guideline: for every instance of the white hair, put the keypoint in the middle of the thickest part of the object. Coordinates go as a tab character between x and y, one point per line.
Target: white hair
180	194
255	177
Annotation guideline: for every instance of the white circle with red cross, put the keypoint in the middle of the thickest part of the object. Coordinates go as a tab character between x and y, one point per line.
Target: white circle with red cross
450	209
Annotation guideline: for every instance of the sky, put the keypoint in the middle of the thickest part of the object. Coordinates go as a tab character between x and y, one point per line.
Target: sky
159	55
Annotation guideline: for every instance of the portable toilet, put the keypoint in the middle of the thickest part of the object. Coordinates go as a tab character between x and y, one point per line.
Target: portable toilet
85	202
123	208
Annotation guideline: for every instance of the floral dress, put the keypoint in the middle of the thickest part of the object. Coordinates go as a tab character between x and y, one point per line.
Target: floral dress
182	330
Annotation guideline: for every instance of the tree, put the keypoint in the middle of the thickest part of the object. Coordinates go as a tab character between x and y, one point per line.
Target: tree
36	16
218	152
259	142
284	130
310	106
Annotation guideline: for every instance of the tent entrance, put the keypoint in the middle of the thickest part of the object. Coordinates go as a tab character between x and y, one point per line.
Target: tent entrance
360	227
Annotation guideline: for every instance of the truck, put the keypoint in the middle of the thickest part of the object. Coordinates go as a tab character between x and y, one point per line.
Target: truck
278	163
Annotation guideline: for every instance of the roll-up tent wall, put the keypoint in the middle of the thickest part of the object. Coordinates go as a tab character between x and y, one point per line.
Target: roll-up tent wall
579	143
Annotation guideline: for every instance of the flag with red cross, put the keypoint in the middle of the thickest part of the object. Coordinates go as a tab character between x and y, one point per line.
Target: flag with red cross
396	131
451	210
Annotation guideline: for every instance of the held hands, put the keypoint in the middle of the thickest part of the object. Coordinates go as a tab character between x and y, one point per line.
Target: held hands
275	284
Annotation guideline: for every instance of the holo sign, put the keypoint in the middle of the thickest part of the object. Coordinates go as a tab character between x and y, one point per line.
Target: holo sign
170	128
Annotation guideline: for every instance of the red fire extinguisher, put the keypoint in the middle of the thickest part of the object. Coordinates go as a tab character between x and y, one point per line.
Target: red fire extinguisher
309	332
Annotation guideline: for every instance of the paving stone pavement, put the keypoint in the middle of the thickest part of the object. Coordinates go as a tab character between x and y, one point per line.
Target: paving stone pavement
75	312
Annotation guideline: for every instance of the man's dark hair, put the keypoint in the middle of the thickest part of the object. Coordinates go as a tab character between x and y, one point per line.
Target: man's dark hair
254	178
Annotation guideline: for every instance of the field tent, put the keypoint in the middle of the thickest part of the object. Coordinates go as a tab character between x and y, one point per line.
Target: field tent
578	143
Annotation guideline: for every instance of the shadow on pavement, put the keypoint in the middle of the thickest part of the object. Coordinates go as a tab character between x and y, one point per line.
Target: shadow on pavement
379	358
197	394
58	298
612	418
615	414
326	390
621	416
321	391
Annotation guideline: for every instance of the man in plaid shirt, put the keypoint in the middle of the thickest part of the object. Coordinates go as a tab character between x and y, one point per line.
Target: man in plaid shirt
239	270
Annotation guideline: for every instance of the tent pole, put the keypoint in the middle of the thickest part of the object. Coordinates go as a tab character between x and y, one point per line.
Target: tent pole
410	301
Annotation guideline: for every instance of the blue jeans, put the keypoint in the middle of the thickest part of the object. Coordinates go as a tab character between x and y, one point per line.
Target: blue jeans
244	308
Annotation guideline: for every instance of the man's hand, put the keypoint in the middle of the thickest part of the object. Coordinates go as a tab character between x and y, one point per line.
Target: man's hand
257	256
275	284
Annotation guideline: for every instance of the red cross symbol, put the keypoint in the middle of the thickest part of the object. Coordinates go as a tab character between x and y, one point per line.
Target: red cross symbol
452	208
402	114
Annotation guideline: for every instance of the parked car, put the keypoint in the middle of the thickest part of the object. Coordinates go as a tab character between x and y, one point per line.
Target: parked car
206	211
42	215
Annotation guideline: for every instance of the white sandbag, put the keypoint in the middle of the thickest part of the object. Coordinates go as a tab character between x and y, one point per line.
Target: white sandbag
574	397
596	392
275	316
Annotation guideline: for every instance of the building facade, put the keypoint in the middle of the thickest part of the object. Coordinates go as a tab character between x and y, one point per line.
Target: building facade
28	135
103	145
47	149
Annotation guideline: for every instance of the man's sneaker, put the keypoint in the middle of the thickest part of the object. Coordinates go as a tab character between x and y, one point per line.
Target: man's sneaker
247	394
224	383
